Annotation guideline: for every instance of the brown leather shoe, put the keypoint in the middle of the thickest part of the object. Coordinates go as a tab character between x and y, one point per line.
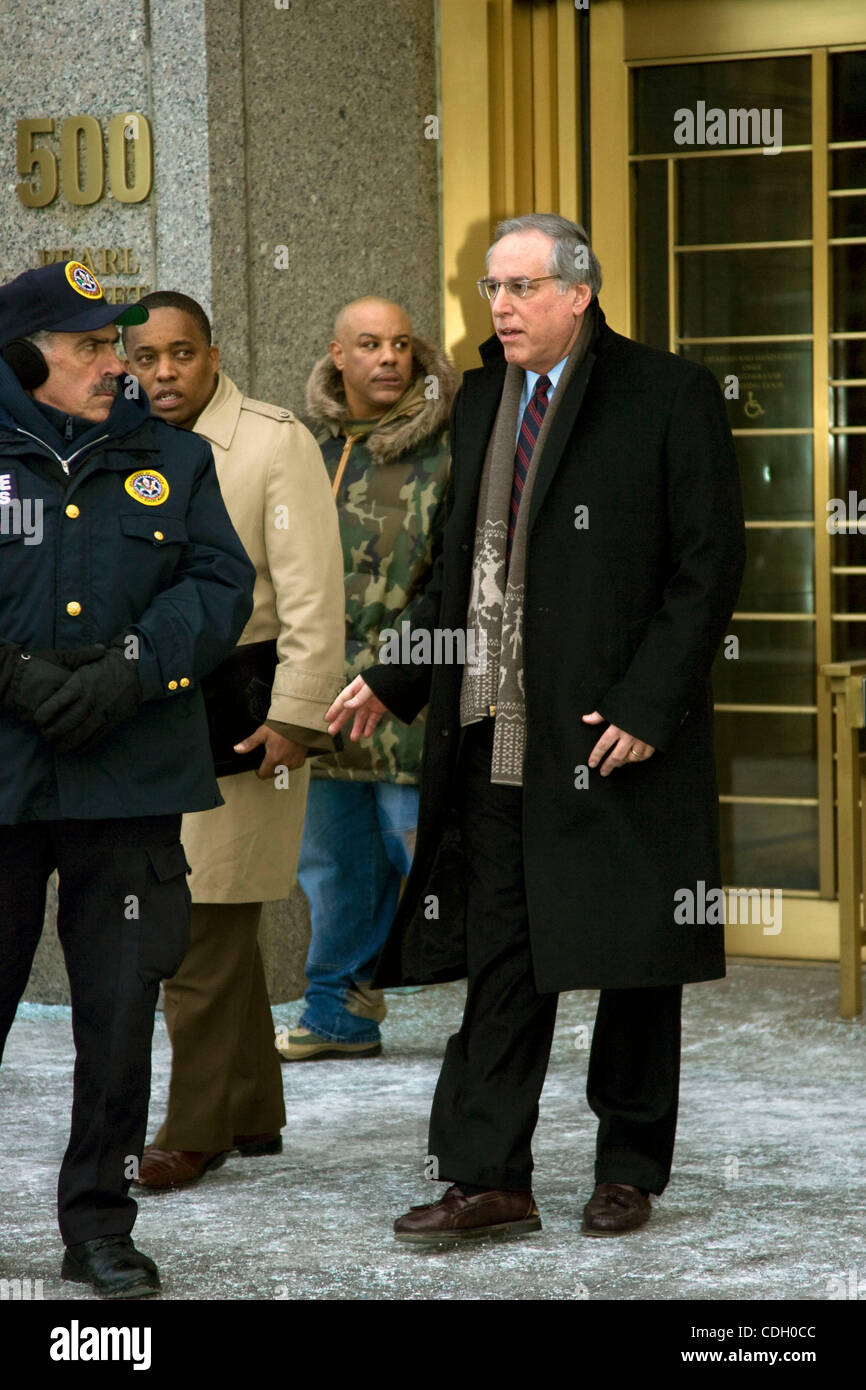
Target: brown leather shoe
455	1218
615	1208
163	1170
255	1145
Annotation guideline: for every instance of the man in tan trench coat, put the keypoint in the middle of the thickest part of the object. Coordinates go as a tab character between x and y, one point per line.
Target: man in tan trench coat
226	1084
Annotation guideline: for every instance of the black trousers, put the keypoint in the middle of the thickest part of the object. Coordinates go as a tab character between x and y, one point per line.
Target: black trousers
486	1104
123	923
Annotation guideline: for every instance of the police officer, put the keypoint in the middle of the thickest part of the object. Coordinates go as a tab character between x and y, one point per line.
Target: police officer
122	583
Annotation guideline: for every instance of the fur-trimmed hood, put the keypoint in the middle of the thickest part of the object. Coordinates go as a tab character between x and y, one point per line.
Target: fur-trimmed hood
413	418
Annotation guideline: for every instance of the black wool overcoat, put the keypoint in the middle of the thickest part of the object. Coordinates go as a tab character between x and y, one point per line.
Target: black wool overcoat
626	604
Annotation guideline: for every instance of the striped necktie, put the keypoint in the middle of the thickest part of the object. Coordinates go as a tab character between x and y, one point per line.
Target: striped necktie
529	427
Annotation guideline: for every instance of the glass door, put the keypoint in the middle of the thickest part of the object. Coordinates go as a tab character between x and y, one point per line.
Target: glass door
748	189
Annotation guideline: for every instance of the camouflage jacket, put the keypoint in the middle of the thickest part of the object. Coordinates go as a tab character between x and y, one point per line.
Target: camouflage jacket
391	506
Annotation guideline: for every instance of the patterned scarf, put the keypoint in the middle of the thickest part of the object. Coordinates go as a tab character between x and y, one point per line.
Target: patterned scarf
495	612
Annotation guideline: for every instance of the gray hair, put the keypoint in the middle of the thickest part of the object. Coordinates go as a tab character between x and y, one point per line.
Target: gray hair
42	339
572	259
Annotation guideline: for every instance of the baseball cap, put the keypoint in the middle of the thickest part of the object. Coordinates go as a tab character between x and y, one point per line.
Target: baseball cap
62	298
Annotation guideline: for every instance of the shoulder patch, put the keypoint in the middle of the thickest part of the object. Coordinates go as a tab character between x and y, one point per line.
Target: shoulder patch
273	412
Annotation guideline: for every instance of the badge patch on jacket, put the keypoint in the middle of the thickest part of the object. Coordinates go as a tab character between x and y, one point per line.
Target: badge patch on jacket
147	487
8	490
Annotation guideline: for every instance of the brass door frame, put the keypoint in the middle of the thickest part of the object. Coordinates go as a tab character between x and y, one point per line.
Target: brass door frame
509	138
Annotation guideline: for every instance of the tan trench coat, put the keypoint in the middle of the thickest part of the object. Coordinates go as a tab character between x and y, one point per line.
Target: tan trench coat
277	494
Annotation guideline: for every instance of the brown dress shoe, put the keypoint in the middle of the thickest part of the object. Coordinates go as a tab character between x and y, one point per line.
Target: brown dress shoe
163	1170
455	1218
615	1208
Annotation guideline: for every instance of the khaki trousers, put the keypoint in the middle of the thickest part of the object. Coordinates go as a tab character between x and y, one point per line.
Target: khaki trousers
225	1075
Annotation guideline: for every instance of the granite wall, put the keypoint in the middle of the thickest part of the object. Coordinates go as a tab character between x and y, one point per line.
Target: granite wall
320	169
293	164
292	171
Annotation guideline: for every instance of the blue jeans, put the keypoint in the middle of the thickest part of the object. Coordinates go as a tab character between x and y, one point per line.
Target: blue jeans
357	846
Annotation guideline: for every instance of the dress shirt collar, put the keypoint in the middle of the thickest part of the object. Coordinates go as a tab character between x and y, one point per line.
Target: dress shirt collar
529	383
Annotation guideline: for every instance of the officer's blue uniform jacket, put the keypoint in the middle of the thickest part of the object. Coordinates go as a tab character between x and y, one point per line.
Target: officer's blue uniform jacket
135	538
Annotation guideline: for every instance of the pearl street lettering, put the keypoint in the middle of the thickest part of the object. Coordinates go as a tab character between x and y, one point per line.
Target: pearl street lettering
101	260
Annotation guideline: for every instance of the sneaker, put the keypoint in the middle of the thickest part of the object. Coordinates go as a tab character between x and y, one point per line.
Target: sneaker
301	1045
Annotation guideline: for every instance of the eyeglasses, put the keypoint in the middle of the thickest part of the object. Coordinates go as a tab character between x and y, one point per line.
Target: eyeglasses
517	289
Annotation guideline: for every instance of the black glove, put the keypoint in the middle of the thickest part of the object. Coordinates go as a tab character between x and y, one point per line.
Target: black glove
70	661
28	679
95	699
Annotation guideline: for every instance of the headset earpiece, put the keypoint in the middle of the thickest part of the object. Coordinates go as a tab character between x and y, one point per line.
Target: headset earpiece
26	361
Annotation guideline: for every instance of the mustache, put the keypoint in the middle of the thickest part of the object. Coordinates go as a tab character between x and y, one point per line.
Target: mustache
108	384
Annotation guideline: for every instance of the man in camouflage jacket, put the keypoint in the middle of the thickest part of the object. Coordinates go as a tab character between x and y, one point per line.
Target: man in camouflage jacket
379	404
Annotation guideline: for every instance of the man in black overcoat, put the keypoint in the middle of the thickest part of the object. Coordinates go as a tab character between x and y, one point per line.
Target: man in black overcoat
594	550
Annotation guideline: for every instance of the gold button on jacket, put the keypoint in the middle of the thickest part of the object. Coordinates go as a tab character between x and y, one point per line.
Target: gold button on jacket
172	685
72	511
73	609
